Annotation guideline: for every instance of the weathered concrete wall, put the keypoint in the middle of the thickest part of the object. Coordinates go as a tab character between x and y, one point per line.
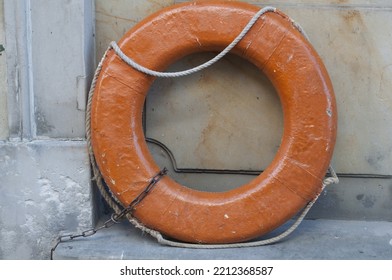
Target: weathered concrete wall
72	75
44	166
45	188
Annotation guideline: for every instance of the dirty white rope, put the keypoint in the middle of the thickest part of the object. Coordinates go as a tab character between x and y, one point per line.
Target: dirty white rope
225	51
150	72
112	200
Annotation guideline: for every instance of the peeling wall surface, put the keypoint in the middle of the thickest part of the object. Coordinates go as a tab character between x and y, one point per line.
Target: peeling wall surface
44	166
45	187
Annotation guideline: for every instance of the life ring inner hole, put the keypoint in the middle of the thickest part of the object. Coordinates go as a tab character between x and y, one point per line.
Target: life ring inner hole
217	129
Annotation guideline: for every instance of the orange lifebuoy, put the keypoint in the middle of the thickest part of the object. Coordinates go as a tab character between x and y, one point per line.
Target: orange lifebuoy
292	179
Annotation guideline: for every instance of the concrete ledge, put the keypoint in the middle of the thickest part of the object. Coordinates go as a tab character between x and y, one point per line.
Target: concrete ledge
314	239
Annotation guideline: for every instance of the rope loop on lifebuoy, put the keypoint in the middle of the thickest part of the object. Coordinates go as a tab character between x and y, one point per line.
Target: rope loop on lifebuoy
294	180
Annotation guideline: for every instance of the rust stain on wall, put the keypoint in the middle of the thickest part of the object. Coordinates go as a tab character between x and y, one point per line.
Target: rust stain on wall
353	16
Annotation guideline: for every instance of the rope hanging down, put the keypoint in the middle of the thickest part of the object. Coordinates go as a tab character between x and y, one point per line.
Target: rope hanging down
112	201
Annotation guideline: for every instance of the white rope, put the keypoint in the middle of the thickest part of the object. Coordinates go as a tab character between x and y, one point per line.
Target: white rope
112	201
150	72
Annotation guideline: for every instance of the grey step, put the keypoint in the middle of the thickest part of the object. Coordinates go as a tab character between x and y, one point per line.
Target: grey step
314	239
